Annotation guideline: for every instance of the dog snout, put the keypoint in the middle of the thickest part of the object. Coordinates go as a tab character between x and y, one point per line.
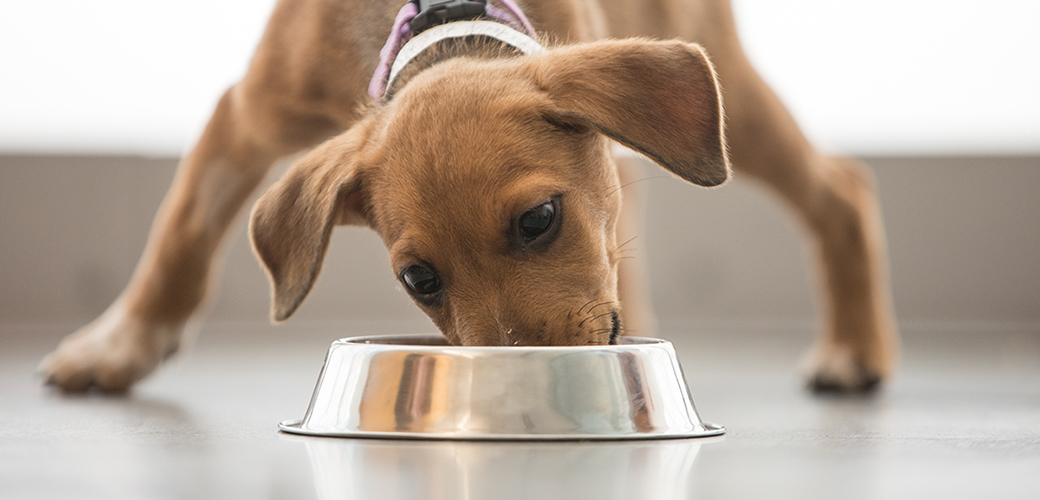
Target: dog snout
492	331
596	322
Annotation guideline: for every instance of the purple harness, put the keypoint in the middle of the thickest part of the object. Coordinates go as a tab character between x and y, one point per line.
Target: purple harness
411	19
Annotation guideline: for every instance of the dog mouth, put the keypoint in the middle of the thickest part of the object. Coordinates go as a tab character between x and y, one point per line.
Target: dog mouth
615	327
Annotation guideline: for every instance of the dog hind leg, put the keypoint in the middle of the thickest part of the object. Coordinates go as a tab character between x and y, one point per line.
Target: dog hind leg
637	313
835	200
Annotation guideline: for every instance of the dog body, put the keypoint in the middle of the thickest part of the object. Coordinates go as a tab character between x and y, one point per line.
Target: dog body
490	179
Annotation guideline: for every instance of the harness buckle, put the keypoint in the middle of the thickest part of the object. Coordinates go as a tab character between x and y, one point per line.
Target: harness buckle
434	12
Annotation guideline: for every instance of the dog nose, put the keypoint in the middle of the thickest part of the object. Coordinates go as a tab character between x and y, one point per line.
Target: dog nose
509	336
513	337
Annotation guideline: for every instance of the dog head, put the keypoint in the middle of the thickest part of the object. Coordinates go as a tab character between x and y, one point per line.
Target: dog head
492	184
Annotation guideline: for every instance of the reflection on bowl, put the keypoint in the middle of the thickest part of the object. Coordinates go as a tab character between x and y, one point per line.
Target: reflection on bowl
417	386
450	470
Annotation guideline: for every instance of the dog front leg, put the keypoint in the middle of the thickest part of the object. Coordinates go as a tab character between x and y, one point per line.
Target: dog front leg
637	312
144	324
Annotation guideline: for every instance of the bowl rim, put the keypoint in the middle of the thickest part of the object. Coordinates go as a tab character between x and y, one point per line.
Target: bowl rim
295	426
397	341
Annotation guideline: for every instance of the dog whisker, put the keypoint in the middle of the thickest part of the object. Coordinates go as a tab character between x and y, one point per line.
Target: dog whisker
586	304
625	185
630	240
594	317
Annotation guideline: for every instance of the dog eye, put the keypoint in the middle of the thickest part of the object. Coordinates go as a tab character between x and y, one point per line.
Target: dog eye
538	220
421	280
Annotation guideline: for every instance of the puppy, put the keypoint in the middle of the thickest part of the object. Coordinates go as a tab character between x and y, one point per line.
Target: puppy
489	176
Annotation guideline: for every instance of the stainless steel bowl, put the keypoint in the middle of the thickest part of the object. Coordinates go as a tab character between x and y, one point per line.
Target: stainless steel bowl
419	387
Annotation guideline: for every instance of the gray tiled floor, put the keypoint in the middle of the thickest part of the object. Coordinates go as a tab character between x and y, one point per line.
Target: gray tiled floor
962	420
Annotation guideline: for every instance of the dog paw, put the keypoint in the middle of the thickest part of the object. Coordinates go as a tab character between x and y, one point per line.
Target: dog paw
835	368
109	354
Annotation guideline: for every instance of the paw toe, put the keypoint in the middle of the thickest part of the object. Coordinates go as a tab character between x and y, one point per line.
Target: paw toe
838	369
66	378
77	367
116	378
862	384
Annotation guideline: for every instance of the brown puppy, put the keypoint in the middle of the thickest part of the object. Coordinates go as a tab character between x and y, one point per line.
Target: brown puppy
489	177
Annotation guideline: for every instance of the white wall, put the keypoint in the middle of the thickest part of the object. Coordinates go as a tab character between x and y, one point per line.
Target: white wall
866	77
962	232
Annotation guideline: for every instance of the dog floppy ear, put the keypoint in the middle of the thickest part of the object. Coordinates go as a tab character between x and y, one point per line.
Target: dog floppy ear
291	223
659	98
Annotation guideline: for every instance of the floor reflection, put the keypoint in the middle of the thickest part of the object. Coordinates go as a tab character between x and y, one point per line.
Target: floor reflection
366	468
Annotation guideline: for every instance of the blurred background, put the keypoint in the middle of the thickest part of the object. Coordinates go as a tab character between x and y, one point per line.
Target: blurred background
99	99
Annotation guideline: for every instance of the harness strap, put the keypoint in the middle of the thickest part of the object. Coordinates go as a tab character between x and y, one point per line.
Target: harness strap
421	17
